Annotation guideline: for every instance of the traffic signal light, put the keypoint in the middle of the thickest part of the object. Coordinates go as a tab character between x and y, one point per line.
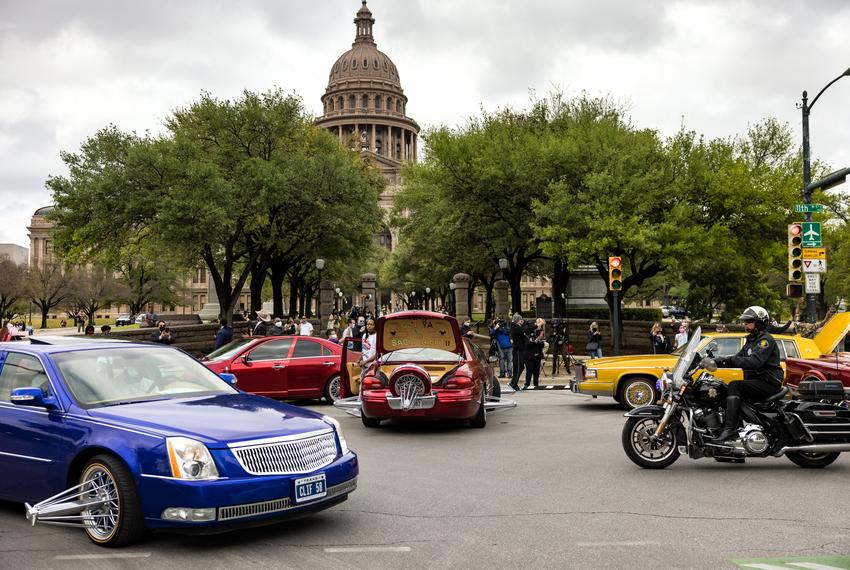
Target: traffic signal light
794	290
615	273
795	251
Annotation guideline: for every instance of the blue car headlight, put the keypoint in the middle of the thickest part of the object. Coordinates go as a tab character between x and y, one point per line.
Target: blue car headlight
190	459
338	428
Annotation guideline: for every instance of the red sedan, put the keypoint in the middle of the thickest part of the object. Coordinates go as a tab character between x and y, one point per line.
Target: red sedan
287	367
423	369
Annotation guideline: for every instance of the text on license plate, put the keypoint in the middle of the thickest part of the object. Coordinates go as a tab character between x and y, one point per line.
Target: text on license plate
309	488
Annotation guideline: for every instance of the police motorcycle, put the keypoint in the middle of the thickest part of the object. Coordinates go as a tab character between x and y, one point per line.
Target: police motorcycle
811	429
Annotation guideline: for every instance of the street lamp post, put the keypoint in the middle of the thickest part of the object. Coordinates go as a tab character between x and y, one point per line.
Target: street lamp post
452	287
807	174
413	300
427	298
320	264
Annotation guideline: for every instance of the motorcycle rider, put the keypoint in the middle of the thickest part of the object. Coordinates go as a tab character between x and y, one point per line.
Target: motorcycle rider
759	358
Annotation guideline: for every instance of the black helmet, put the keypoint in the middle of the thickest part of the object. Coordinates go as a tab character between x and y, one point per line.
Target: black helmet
758	315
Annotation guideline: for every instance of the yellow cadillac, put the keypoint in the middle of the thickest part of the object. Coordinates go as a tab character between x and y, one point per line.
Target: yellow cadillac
631	379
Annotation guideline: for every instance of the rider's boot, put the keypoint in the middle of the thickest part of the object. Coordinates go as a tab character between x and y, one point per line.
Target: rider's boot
730	423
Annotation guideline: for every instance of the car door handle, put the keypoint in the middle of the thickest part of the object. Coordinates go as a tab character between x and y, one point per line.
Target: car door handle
327	363
278	367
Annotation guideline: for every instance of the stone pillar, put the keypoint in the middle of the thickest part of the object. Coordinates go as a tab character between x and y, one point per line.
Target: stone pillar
372	147
326	303
500	292
367	287
414	147
211	308
461	281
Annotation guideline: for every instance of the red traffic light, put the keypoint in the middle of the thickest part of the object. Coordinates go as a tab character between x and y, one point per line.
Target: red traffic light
614	262
795	229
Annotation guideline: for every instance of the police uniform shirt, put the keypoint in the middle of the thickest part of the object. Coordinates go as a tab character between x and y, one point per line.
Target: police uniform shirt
759	359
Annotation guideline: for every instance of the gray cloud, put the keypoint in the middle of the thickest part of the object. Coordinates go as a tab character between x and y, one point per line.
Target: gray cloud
69	68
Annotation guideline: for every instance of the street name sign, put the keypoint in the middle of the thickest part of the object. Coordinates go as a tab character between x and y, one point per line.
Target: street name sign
814	266
814	253
813	208
813	283
811	234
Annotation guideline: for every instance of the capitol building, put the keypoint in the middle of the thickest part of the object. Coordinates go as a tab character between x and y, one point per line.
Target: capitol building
363	105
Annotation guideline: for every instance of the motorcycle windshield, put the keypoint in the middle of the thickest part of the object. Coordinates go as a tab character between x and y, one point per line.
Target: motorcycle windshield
686	358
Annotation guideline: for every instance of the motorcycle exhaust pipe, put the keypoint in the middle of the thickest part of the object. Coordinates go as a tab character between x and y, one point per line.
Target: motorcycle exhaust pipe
818	448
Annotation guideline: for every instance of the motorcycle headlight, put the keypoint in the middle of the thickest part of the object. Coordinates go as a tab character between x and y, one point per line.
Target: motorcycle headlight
590	373
190	459
343	445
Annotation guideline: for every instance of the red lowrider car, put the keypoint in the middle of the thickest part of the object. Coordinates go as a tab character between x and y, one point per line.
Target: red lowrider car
835	366
287	367
423	369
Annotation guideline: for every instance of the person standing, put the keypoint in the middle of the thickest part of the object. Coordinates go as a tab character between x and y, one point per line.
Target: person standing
162	335
224	334
277	328
262	326
657	339
306	327
682	335
499	332
533	356
518	341
594	341
369	350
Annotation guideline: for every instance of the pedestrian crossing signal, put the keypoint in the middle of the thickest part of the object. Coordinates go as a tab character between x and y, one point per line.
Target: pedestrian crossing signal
794	290
795	251
615	273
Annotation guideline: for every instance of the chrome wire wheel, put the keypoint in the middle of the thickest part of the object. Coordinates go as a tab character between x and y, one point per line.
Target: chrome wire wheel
101	522
638	393
334	389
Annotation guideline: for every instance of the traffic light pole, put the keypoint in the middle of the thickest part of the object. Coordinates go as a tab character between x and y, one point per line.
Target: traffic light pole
811	310
615	322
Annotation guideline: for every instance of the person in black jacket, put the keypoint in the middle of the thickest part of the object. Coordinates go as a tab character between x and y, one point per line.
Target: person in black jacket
759	358
518	340
534	354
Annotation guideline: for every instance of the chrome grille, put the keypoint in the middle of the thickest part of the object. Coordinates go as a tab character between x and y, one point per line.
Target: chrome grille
278	505
253	509
289	456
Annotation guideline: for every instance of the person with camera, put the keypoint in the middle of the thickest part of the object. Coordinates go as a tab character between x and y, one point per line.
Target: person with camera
533	353
518	341
501	336
162	335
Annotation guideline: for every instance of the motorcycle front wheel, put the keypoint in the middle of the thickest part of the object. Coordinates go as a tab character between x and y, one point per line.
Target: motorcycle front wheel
646	451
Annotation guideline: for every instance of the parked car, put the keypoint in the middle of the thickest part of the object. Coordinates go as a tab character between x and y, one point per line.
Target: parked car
631	379
124	319
424	369
118	438
677	312
665	310
835	366
287	367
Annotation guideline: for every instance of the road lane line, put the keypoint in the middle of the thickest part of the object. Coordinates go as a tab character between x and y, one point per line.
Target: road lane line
812	566
102	556
341	549
626	543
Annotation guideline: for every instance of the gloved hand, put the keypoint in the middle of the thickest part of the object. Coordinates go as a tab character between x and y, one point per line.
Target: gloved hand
709	364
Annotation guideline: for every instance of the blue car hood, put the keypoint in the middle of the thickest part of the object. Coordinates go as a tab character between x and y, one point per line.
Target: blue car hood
214	420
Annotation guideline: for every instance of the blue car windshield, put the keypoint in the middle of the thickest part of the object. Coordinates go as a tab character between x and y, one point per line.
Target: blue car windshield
113	376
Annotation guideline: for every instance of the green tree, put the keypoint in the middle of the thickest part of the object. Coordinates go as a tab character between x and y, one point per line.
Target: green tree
13	288
48	286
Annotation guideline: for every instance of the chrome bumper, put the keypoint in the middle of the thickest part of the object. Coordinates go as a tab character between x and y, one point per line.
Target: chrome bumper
417	403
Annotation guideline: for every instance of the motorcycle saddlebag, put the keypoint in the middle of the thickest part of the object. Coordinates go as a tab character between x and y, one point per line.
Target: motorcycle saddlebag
815	391
826	422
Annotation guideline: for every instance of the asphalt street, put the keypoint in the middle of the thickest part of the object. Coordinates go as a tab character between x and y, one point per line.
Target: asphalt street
546	485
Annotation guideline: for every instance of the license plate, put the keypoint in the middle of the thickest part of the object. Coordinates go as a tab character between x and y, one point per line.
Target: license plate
310	488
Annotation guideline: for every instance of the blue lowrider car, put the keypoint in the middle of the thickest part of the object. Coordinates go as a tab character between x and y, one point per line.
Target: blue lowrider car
118	438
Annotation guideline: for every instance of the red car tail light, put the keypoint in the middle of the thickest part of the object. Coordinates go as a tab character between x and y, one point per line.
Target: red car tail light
371	383
458	383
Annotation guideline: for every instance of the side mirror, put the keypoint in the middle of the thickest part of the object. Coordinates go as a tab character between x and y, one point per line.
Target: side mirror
245	358
33	397
229	378
711	349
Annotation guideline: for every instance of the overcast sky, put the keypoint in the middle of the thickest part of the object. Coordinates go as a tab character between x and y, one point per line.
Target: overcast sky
69	68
